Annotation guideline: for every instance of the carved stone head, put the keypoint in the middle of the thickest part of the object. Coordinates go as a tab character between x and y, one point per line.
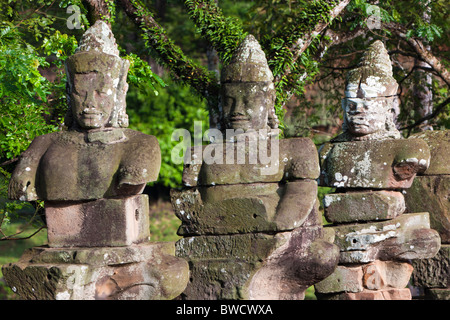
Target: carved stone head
369	95
96	86
247	91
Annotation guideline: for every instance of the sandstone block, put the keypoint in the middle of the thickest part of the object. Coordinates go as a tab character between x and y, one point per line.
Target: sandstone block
386	274
376	275
405	237
436	191
294	267
103	222
279	266
343	279
243	208
218	279
138	272
374	164
433	272
363	206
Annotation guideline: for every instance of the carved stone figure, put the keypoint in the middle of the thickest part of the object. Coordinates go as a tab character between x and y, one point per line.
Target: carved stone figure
369	98
252	228
70	165
91	178
369	164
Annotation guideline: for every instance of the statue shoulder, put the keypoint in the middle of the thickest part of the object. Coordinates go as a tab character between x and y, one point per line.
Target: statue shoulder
300	157
142	139
142	157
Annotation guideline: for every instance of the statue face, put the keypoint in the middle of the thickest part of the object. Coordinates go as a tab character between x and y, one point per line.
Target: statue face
92	99
364	116
246	105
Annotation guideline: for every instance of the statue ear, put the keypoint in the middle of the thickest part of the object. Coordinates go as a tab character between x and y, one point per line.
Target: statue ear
68	118
119	117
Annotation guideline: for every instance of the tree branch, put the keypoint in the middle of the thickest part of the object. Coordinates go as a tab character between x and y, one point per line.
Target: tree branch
169	54
436	111
421	51
97	10
303	42
223	33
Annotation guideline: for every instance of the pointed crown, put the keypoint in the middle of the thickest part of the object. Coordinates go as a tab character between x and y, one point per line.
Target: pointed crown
248	64
373	76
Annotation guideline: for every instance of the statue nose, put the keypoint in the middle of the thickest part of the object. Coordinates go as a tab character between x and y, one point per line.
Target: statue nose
359	107
89	100
238	108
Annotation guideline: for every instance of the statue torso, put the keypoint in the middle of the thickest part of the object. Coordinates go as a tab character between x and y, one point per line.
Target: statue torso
82	166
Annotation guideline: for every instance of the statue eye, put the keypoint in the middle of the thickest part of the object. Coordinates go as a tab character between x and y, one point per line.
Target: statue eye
228	101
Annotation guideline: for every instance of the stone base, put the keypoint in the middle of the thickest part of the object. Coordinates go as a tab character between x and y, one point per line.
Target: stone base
98	223
147	271
431	277
386	294
433	272
257	266
374	276
437	294
406	237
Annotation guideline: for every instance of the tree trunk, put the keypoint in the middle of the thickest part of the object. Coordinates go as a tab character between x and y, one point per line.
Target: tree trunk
423	95
97	10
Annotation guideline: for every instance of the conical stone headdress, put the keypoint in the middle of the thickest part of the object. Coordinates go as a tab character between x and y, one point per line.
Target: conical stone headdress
373	76
97	52
249	65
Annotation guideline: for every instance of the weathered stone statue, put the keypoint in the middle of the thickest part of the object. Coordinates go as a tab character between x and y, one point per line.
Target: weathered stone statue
91	178
251	225
369	165
430	192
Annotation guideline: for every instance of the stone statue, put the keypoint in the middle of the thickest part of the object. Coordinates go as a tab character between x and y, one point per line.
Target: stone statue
70	165
252	228
369	164
91	178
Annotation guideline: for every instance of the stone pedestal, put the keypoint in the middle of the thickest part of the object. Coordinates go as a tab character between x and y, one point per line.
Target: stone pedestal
103	222
147	271
258	239
99	250
256	266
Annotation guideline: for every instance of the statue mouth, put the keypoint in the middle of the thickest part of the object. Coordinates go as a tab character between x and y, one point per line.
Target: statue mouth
91	115
359	121
239	118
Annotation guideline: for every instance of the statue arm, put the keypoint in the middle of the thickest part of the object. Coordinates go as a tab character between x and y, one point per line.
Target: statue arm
301	171
412	160
141	164
22	185
297	201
